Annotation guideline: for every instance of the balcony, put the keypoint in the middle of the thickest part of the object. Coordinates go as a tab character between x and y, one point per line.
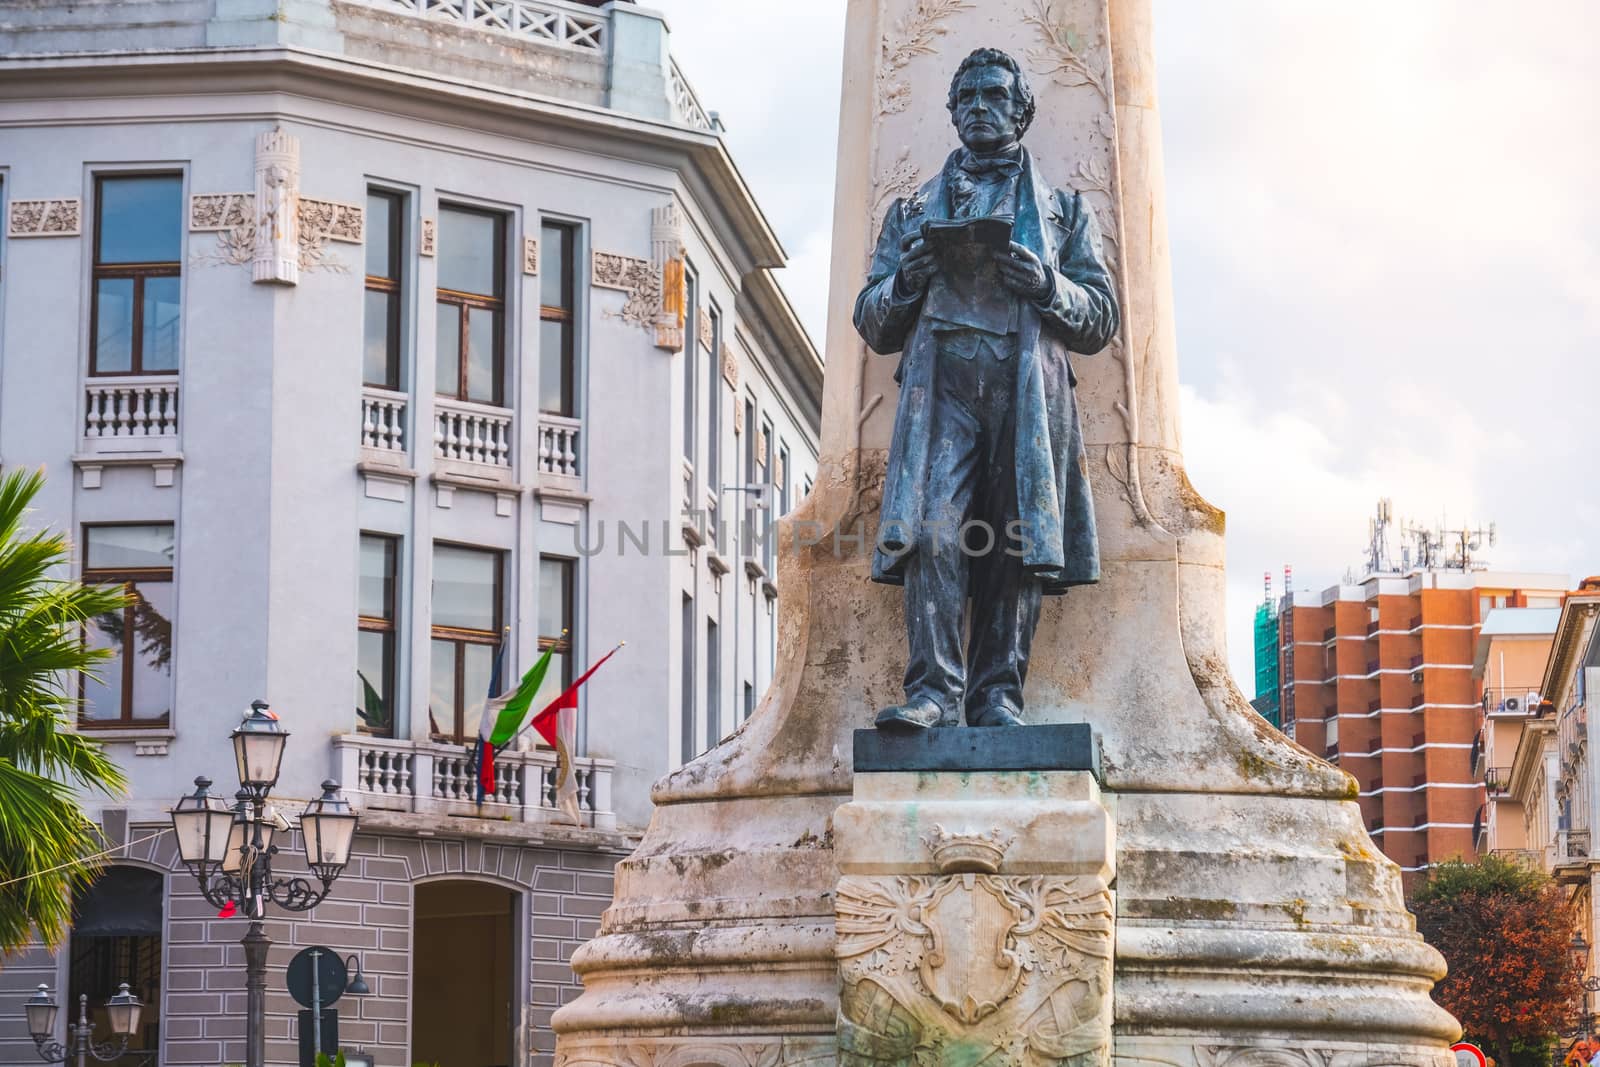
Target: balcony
129	420
436	779
472	441
383	425
1497	780
559	440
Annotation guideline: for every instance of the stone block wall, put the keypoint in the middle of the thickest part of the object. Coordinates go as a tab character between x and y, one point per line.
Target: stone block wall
563	890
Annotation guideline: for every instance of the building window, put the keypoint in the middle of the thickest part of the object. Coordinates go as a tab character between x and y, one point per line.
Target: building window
376	638
764	477
557	623
686	690
116	938
133	686
691	346
467	589
713	685
783	479
749	700
557	324
470	353
380	360
138	263
714	407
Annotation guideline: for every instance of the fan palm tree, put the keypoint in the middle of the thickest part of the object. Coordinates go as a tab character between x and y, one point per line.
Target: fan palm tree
48	847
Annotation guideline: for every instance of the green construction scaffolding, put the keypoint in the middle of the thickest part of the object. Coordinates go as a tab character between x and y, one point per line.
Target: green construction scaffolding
1266	701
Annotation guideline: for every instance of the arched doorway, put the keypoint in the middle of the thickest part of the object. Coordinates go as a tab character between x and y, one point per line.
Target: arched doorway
465	947
116	938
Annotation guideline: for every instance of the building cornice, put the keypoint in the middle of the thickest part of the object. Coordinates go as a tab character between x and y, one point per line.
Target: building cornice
217	75
1572	632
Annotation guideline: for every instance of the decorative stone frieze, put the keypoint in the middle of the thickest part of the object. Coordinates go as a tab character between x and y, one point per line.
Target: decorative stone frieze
425	246
708	336
530	256
45	218
213	212
333	220
637	278
730	365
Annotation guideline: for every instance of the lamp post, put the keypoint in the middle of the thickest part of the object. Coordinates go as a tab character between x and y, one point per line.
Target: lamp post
229	851
122	1009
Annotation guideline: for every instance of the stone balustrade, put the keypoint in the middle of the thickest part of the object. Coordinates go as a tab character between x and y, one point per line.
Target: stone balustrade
558	449
535	20
686	106
465	432
383	420
432	778
133	413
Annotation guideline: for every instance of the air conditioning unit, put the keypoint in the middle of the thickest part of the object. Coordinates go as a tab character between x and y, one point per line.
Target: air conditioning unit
1416	677
1511	704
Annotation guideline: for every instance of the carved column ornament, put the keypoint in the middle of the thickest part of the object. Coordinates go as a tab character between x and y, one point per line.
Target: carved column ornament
708	336
666	250
276	258
530	256
730	366
45	218
425	244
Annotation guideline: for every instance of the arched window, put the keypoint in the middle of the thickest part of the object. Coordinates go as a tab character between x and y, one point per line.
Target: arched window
116	938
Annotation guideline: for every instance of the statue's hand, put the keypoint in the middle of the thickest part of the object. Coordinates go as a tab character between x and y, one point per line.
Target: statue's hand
1023	273
917	267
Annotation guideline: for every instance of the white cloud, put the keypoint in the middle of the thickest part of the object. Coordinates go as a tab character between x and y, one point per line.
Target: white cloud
1386	251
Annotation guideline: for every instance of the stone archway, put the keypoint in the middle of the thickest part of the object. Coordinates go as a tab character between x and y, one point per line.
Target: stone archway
464	962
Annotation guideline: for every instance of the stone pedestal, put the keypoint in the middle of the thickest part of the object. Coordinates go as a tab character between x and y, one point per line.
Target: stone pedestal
974	914
1256	924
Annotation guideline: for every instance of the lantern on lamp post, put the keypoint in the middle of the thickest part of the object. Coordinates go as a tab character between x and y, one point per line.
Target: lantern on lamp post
229	850
122	1012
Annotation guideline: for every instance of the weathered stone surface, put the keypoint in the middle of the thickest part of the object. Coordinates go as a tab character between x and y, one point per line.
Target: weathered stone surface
1256	924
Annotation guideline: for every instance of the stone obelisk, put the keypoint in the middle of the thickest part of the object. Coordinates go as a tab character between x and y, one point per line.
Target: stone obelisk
1255	924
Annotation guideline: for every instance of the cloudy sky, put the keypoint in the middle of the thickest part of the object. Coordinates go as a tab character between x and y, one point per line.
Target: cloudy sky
1385	222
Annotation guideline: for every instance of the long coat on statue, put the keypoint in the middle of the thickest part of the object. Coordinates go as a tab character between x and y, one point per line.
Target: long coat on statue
1053	501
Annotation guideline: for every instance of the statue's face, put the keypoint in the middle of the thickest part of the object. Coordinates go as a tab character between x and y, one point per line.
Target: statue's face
987	110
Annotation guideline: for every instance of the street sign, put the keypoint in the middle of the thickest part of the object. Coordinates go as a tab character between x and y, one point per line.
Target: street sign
1469	1055
329	1038
316	970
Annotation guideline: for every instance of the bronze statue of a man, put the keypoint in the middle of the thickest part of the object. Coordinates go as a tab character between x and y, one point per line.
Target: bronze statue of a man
984	280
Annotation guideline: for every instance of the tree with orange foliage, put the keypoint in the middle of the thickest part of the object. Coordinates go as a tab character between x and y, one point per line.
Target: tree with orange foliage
1506	933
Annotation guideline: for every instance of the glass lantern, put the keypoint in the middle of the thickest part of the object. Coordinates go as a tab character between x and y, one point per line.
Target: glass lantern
123	1012
329	827
201	823
41	1011
258	743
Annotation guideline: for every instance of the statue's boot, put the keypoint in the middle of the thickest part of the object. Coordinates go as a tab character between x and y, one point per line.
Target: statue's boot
993	715
910	716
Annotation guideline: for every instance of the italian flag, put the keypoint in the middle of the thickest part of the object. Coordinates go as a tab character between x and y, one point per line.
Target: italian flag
503	717
558	725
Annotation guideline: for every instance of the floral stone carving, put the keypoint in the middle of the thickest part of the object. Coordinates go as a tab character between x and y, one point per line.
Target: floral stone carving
1009	971
45	218
637	278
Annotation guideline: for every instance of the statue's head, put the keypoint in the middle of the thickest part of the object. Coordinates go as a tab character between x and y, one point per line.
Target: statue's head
990	102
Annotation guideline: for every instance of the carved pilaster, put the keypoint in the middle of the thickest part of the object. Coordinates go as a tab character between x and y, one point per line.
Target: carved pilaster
276	258
666	250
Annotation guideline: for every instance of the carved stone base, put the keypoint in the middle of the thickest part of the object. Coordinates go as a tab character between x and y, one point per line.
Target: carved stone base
974	920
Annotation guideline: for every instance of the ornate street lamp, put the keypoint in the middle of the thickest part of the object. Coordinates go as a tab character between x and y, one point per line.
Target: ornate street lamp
229	851
122	1011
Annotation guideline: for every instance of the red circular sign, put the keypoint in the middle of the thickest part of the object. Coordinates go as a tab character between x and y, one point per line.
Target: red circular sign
1469	1055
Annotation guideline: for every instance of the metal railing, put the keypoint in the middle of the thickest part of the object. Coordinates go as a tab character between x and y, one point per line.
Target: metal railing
1497	779
1572	845
433	778
1510	700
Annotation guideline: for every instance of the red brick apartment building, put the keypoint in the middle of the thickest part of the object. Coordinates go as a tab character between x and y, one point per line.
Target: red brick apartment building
1378	678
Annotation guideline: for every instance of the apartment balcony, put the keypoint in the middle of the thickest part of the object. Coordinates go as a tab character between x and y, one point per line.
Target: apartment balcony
1497	780
1531	858
472	444
560	438
1572	856
428	778
129	420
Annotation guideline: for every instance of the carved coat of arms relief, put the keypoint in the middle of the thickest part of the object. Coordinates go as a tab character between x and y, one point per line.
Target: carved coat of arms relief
971	967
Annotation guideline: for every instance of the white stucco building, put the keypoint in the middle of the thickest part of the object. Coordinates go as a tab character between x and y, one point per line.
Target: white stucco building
359	338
